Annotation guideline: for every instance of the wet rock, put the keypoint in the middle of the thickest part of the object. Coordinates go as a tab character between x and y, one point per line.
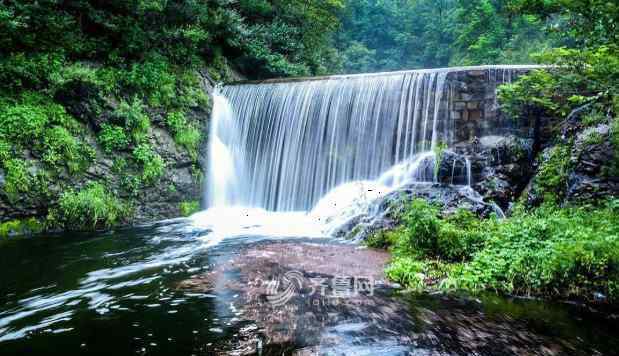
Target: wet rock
83	100
500	166
382	213
453	168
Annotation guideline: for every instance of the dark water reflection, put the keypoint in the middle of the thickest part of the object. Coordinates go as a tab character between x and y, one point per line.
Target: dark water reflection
127	293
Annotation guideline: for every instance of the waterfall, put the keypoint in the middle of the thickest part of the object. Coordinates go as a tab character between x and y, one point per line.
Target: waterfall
282	146
293	142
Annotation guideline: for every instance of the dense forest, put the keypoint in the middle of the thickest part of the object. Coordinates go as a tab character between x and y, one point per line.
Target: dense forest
95	95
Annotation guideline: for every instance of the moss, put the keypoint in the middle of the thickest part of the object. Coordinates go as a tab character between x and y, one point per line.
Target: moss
21	227
189	207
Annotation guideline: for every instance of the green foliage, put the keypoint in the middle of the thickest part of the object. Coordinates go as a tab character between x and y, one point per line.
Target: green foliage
17	179
154	80
90	208
558	252
552	175
61	148
439	152
189	207
112	138
185	134
21	227
407	271
134	119
5	150
22	123
555	252
424	233
578	77
437	33
152	164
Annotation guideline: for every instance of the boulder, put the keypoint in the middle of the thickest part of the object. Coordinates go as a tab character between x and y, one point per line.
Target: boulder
382	213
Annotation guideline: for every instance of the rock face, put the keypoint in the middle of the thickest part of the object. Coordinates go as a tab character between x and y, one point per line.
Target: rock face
181	180
500	166
593	176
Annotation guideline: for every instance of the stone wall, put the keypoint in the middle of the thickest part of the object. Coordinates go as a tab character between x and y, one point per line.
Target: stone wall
470	104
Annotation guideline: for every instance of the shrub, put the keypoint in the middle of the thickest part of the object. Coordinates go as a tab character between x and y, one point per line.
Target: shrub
552	175
550	251
570	252
152	164
408	271
90	208
20	71
154	80
134	119
189	207
22	123
5	150
21	227
61	148
17	178
421	228
184	133
112	138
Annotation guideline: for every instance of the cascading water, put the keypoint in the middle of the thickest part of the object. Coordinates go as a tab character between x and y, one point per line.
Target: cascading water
294	142
332	144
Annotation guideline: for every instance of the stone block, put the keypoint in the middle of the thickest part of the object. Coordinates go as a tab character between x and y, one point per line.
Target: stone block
474	114
472	105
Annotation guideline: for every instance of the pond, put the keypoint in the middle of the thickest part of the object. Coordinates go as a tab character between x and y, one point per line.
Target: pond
172	288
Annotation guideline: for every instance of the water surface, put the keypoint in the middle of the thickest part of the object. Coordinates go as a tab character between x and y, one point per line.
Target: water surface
130	292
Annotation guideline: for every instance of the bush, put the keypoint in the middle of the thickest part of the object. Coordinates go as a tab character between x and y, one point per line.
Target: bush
152	164
21	227
112	138
571	252
61	148
424	233
189	207
552	175
184	133
5	150
22	124
17	178
90	208
154	81
551	251
134	119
